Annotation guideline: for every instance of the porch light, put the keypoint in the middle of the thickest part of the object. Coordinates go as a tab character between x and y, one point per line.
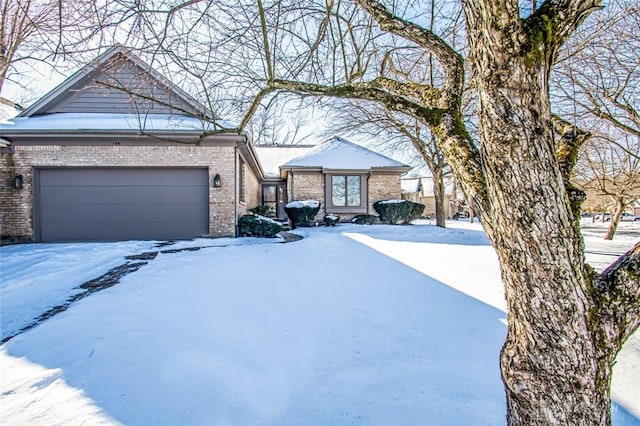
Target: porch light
17	181
216	181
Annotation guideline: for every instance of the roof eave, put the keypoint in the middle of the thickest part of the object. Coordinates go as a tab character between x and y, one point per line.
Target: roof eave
393	169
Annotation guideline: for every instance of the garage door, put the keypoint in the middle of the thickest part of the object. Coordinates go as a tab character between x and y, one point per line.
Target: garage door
110	204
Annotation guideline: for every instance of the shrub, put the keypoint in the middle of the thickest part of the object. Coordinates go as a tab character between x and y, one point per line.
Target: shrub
262	210
365	219
331	219
416	210
302	213
252	225
398	211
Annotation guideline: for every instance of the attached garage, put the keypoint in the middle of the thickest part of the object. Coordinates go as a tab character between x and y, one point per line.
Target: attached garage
116	152
108	204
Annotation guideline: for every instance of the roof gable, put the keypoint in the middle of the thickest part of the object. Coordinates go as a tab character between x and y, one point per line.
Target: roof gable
340	154
116	82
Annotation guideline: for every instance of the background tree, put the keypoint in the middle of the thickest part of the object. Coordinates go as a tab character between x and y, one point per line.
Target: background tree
45	35
594	85
595	79
611	171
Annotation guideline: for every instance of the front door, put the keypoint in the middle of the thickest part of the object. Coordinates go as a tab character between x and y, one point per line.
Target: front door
274	196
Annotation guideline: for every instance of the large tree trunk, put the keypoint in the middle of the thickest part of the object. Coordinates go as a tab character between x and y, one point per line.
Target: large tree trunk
553	369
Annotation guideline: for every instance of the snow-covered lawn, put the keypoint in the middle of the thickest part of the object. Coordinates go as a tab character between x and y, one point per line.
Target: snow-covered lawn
361	325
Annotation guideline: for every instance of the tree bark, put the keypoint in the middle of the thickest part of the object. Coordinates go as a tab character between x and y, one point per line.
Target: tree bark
553	370
615	219
439	195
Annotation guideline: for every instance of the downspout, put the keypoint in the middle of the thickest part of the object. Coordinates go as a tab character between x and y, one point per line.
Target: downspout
235	191
293	192
367	189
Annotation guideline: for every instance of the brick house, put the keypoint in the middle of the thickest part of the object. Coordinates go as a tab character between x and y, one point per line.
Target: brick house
345	177
117	152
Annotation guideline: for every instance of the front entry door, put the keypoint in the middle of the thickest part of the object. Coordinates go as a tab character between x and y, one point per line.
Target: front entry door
274	196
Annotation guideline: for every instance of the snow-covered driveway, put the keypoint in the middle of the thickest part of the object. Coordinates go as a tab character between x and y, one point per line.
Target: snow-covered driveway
366	325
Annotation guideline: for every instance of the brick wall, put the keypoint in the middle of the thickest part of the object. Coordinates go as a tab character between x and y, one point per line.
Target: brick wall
16	214
15	204
311	185
383	187
253	191
308	186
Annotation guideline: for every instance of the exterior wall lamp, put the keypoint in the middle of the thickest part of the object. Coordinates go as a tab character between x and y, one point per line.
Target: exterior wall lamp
18	181
217	183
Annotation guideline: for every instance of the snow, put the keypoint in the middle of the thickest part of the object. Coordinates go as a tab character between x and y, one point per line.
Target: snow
392	201
8	109
340	154
359	325
265	219
304	203
103	121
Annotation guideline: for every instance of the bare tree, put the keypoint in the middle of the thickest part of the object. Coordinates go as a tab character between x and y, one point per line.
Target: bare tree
49	36
595	85
595	79
565	322
611	171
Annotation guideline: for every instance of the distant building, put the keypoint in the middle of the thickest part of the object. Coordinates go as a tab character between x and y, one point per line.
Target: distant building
420	190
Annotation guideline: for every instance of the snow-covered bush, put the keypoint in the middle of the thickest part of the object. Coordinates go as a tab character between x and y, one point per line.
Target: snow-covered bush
398	211
253	225
302	213
331	219
365	219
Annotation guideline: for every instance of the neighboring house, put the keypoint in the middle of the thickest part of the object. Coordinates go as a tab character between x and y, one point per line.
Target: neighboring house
117	152
346	178
420	190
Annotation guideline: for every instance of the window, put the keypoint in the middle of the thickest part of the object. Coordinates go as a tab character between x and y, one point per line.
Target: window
346	191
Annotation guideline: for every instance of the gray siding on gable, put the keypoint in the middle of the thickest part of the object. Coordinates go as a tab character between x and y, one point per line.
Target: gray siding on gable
120	87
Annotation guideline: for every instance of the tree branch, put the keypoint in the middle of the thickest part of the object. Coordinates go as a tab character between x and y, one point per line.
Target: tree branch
451	60
567	149
425	94
568	146
551	25
617	291
367	91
